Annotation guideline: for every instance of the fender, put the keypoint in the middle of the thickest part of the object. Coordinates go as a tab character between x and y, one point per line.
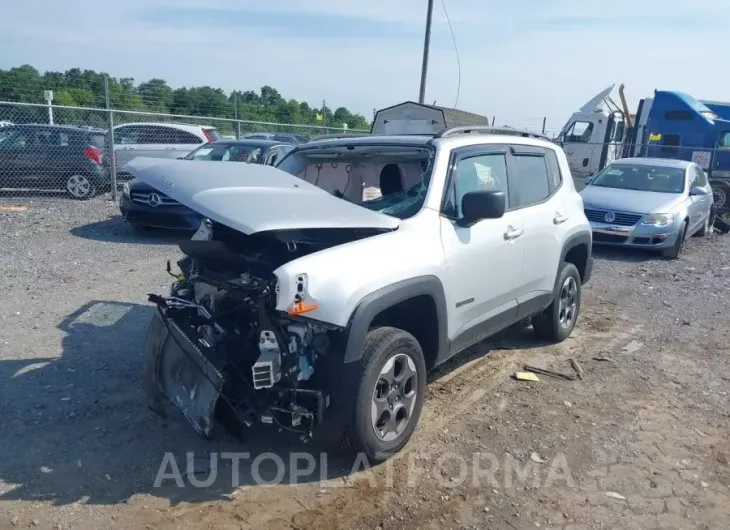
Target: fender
369	307
581	238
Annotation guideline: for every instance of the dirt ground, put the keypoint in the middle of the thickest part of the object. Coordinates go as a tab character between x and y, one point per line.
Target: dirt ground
642	441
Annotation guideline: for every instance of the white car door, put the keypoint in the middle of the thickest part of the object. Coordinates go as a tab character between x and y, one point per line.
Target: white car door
536	178
484	261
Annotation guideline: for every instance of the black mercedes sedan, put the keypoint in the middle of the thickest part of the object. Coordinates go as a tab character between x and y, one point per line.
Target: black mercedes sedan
145	207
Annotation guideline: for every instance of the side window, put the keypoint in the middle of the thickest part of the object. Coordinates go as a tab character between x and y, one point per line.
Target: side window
480	172
670	143
533	183
678	115
580	131
130	134
156	135
556	178
701	177
16	140
184	137
693	178
44	138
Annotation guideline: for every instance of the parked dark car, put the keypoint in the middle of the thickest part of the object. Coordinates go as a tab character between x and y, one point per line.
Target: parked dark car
54	157
145	207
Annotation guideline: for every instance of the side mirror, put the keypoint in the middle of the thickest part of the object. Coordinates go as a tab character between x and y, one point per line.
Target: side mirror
697	191
481	204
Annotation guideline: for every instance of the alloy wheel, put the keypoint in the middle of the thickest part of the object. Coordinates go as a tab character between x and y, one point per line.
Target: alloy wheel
78	186
568	302
394	397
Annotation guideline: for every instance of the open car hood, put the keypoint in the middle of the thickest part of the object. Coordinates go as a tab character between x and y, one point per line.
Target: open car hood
253	198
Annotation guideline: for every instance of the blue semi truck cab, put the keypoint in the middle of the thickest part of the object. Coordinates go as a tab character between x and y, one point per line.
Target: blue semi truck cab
669	124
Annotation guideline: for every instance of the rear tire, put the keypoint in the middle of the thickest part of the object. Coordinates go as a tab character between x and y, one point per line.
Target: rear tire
80	187
556	323
675	251
390	384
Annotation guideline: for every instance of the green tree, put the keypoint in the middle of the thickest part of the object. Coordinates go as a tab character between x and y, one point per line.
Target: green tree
86	88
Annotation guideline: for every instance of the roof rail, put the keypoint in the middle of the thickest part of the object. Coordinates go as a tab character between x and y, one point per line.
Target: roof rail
486	129
336	136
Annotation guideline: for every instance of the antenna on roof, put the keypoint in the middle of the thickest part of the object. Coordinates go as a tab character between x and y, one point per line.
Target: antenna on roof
434	103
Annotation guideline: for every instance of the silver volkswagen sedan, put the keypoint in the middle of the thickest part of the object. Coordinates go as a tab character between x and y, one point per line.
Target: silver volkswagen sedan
651	203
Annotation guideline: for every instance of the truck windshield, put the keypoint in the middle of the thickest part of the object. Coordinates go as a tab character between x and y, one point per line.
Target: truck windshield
641	177
391	179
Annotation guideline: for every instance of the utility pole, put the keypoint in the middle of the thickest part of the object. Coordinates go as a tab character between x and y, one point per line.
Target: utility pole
426	48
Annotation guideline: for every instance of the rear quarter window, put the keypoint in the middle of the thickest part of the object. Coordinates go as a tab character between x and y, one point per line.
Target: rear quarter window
98	140
556	178
212	133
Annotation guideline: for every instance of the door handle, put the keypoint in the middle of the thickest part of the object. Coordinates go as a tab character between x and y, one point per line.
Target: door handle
512	233
559	218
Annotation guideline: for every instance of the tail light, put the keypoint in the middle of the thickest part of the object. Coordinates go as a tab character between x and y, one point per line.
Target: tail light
207	135
94	154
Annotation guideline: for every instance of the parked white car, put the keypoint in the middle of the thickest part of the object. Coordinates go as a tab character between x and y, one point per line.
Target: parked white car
158	140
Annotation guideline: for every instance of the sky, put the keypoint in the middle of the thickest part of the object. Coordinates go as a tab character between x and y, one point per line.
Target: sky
521	60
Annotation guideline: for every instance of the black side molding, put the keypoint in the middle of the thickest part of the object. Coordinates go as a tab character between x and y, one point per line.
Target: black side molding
582	238
382	299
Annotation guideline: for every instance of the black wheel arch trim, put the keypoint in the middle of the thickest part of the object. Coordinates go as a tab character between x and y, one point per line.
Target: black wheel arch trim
581	238
371	305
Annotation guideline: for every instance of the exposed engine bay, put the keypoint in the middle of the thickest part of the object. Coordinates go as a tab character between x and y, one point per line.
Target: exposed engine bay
223	352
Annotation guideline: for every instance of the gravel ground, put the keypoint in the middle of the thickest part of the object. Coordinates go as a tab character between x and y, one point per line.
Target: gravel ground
645	439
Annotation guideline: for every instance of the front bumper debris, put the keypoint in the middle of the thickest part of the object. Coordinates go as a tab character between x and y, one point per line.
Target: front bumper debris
178	372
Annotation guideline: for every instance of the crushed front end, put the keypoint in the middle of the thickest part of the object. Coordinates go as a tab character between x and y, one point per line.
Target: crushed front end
218	349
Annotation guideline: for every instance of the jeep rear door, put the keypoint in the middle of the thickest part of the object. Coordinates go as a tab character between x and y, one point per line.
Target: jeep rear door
537	185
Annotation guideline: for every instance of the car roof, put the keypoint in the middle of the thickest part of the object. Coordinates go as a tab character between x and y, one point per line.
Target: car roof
249	141
450	142
657	162
189	127
71	128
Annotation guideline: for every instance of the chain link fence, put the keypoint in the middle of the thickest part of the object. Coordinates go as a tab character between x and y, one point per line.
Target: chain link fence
67	150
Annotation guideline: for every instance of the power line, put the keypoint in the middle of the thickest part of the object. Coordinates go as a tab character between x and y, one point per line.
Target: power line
456	49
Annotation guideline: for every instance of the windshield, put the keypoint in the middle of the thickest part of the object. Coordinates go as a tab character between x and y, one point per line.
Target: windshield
390	179
641	177
227	153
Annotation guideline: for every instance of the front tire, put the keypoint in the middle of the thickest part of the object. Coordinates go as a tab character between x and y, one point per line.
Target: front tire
676	250
556	323
390	385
